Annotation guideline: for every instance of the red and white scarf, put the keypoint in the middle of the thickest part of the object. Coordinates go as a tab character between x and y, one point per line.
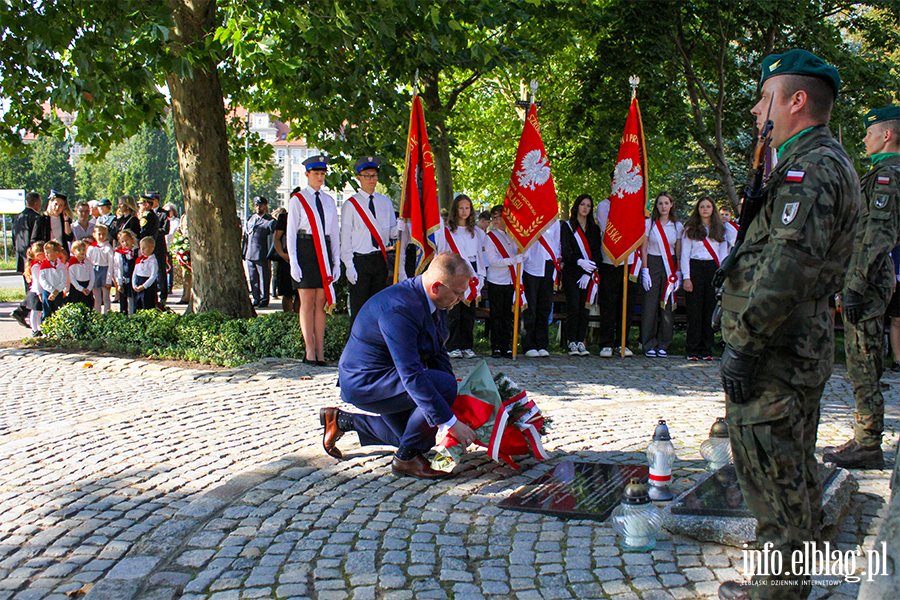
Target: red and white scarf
712	252
318	235
668	263
594	283
512	270
368	219
473	282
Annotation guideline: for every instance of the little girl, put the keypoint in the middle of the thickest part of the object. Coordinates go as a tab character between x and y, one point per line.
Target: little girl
123	269
52	278
81	274
33	259
146	273
100	255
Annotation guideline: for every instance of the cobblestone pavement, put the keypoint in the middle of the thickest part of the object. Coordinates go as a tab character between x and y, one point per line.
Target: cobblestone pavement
129	480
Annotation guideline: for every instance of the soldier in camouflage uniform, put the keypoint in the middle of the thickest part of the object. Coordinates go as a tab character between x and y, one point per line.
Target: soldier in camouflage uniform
870	284
776	321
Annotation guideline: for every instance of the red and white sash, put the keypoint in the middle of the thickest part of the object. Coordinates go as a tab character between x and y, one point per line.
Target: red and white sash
669	264
528	424
635	269
709	249
367	218
733	224
594	283
557	264
512	270
473	282
318	234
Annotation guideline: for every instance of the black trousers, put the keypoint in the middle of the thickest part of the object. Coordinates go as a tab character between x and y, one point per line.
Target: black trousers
699	308
371	271
609	301
260	272
501	299
576	311
461	322
536	318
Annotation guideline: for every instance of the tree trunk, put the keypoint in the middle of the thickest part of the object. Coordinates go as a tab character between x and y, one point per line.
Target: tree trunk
440	147
219	283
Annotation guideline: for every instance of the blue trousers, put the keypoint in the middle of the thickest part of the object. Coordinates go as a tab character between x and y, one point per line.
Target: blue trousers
399	421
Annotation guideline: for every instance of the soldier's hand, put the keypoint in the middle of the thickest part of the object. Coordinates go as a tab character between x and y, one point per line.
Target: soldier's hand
738	372
851	306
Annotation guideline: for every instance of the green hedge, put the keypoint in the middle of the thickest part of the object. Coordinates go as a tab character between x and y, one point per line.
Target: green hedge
208	338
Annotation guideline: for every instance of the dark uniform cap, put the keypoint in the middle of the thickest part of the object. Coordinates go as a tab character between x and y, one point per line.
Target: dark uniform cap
316	163
367	162
800	62
257	200
150	196
54	194
877	115
104	202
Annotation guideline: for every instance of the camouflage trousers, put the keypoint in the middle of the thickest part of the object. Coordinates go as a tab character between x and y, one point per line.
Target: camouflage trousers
775	462
864	344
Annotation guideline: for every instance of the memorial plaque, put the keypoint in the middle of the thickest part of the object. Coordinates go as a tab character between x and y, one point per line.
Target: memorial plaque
720	495
576	490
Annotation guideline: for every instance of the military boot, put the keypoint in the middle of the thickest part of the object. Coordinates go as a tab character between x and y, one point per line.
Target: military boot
851	455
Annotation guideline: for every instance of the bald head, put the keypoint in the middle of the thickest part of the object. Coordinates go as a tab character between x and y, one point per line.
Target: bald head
447	279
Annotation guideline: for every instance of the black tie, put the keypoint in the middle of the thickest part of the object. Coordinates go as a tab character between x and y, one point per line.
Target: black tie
321	210
375	218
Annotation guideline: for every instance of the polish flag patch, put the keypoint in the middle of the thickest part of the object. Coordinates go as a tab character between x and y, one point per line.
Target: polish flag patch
795	176
884	180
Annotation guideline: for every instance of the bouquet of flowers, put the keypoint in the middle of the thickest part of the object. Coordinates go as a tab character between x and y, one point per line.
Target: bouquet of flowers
505	421
182	249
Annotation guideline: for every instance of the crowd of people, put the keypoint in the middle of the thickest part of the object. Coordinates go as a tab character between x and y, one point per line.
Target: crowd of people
85	255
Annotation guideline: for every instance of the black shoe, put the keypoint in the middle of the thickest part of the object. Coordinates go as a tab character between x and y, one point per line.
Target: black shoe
19	315
508	354
896	366
733	590
263	304
321	363
306	361
852	455
496	354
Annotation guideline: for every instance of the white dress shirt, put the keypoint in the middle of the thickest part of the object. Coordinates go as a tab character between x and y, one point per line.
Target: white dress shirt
673	230
81	271
53	276
696	249
355	236
537	256
299	222
469	245
497	266
146	267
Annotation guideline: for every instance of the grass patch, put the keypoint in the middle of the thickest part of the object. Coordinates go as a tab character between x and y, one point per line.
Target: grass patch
16	294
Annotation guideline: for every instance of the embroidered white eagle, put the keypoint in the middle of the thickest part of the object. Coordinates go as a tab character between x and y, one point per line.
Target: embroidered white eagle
534	170
627	178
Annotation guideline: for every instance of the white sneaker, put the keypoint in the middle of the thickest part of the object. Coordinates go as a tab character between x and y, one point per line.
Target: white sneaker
533	353
662	353
606	353
573	349
627	352
543	352
455	353
651	353
468	353
582	350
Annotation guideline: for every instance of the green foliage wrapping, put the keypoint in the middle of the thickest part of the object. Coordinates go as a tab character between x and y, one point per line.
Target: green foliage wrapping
208	338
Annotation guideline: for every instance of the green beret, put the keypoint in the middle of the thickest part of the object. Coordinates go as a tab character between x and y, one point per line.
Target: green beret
877	115
800	62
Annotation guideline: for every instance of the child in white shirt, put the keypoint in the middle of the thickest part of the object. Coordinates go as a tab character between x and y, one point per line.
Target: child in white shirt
146	272
81	275
100	255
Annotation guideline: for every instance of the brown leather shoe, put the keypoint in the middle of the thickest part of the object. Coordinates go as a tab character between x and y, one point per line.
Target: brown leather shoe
417	467
733	590
852	455
328	418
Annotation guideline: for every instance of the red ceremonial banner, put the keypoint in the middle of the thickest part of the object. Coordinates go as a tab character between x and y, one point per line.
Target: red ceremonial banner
530	204
628	199
419	202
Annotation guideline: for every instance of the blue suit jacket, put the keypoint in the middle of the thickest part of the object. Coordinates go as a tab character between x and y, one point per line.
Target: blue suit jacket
393	341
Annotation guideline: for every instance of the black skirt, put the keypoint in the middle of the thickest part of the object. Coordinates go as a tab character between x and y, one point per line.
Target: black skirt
309	262
32	301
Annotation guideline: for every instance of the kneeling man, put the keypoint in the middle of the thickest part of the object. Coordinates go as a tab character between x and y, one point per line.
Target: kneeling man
395	365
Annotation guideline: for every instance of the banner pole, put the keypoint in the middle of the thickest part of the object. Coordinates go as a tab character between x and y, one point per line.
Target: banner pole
397	249
624	310
515	343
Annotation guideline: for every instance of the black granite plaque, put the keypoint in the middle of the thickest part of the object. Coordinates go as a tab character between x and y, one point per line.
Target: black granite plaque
719	495
576	490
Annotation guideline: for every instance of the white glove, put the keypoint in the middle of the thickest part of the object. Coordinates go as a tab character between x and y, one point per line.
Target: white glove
479	287
296	273
645	279
584	281
520	258
677	280
352	275
401	226
587	265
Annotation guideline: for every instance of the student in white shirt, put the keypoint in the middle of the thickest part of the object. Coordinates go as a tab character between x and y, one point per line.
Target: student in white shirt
661	277
81	275
731	226
501	256
146	275
459	236
703	248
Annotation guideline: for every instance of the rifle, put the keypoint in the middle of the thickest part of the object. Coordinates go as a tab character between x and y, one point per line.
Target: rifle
750	207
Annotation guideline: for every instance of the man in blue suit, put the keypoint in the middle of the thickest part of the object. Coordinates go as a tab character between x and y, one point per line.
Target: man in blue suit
395	366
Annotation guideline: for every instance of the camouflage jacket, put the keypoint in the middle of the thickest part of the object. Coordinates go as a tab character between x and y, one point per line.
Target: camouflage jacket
795	253
871	270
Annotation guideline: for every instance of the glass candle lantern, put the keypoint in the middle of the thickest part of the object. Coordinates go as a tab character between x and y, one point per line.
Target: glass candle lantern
717	449
636	520
661	456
